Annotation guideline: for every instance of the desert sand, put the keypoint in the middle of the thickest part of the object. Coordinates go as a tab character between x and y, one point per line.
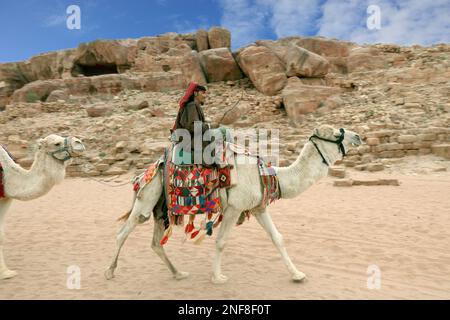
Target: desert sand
333	234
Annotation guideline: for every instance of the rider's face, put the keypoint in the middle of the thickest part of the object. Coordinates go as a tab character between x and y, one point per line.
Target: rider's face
201	97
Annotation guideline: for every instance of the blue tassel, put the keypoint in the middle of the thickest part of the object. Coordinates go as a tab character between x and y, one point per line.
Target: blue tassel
209	228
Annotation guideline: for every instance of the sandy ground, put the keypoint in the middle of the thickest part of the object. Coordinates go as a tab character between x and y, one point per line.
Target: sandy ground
332	234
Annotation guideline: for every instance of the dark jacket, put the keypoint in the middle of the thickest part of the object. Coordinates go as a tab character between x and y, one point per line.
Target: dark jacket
188	116
191	113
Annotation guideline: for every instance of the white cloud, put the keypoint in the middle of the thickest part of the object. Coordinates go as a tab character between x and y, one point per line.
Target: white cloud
402	21
245	19
55	20
293	17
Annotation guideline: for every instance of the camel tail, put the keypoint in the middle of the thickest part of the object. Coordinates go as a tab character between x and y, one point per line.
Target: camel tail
125	216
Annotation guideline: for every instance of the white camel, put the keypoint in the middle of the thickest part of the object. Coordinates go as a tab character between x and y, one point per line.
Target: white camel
49	168
323	149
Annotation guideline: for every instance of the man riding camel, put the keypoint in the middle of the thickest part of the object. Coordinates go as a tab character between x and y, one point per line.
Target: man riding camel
190	117
190	109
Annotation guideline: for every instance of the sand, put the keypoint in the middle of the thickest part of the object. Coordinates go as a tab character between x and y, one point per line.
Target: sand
332	234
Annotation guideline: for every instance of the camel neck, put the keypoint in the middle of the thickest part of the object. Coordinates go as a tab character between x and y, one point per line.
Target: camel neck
307	169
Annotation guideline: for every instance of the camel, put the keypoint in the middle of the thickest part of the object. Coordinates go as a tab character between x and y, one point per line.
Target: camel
48	168
325	146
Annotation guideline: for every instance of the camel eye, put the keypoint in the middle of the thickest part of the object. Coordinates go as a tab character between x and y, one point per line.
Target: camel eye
58	144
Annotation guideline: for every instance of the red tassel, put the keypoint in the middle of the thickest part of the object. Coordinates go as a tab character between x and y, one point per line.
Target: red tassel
194	234
164	240
189	228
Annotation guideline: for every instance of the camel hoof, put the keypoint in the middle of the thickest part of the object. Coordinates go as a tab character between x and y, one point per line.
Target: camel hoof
181	275
7	274
109	274
219	279
299	277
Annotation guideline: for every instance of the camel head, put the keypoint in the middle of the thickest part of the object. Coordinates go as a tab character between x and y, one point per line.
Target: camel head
331	142
61	148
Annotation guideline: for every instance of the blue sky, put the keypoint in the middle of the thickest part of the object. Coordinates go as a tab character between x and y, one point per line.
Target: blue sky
30	27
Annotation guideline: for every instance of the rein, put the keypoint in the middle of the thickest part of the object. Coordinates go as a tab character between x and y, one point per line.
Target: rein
338	142
66	149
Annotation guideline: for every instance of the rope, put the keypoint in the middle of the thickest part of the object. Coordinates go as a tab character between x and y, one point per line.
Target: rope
103	182
234	106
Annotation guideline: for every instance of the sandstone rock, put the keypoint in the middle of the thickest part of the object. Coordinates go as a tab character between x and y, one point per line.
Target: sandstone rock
104	56
264	69
102	167
301	62
219	38
338	172
358	182
299	99
97	110
365	59
35	91
406	138
333	102
388	182
174	58
201	39
373	141
325	47
120	146
373	167
219	65
343	183
56	95
441	150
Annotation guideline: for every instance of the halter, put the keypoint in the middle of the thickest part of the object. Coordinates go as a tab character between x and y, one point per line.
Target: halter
66	150
338	142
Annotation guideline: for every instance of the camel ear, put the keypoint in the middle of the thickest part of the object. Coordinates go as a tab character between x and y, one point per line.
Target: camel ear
316	132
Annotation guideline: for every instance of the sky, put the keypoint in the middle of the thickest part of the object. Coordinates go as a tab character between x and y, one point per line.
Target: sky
30	27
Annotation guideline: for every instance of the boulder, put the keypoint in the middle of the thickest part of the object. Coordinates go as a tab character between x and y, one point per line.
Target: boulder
98	110
35	91
300	99
219	38
219	65
264	69
334	51
56	95
301	62
201	39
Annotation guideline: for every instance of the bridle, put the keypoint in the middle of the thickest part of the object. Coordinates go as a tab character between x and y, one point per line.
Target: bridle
338	142
65	151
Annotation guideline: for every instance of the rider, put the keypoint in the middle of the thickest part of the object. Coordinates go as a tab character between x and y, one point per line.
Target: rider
191	110
189	114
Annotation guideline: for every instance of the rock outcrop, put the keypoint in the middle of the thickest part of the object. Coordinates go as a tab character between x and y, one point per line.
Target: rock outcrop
219	65
264	69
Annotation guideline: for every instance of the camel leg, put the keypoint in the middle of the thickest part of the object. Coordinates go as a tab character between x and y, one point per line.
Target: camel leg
141	212
265	220
230	217
5	273
158	231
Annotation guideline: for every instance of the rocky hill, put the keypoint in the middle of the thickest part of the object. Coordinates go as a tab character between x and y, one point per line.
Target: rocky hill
121	96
